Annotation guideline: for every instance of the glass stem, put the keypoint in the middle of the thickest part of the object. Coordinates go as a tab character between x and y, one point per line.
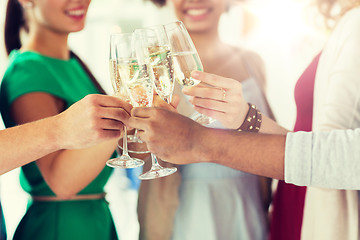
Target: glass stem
136	138
168	99
154	162
125	146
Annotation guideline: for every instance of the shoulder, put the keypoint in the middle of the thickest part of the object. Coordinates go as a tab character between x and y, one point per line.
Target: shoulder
253	63
26	73
26	59
24	65
252	56
348	27
351	18
343	43
247	57
25	68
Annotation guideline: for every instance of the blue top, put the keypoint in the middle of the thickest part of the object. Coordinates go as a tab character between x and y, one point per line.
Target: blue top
218	202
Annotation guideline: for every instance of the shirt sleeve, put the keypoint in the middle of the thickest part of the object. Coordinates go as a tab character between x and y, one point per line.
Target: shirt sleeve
26	77
323	159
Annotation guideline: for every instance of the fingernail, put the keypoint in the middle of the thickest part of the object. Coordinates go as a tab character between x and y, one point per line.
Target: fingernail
186	89
195	74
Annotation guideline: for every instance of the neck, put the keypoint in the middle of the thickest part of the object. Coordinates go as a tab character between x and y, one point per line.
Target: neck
48	43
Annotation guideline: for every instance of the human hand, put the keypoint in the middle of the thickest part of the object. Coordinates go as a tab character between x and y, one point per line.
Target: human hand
159	102
91	120
167	134
218	97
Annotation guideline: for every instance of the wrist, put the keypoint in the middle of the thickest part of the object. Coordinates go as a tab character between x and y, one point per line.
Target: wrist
57	132
197	143
252	121
205	149
244	109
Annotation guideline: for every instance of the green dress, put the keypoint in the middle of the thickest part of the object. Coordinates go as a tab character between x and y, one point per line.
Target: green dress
61	220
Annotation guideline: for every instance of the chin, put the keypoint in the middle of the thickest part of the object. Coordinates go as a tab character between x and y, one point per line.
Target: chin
77	28
195	27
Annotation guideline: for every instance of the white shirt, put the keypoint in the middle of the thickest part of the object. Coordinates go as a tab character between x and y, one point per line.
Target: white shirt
323	159
336	106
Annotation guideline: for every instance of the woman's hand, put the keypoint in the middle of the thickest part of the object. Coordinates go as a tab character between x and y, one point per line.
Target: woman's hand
218	97
92	120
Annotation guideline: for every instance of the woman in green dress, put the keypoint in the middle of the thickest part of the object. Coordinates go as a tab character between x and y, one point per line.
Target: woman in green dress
43	79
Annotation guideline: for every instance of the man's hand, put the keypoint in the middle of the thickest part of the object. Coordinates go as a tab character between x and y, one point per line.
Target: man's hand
167	134
158	102
91	120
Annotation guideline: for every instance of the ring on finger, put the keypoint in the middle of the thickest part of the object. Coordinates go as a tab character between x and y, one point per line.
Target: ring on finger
223	94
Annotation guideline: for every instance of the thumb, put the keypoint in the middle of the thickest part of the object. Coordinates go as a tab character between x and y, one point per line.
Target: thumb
175	101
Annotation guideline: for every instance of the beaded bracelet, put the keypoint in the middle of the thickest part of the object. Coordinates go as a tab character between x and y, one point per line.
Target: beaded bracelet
252	120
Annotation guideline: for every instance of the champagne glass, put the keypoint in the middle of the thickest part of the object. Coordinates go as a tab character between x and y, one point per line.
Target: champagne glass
153	53
121	40
159	59
134	144
186	60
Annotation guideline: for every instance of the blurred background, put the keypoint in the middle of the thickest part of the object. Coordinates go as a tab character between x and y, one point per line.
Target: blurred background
287	34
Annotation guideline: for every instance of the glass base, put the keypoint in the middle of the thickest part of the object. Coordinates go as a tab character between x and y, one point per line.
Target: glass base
157	172
133	138
202	119
125	162
140	146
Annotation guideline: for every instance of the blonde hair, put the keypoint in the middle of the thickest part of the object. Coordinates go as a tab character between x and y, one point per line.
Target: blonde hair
332	10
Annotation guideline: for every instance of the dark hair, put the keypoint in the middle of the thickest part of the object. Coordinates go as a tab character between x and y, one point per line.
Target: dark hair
14	22
159	3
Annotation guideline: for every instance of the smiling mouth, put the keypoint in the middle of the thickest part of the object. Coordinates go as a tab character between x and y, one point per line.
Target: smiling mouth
197	12
75	13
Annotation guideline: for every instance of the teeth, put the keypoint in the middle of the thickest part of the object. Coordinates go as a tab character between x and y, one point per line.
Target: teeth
76	12
196	12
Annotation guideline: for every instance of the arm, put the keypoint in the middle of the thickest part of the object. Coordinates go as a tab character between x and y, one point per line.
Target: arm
335	152
292	157
66	171
180	140
94	119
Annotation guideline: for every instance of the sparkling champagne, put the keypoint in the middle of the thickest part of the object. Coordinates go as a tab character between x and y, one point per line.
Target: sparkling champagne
118	86
137	82
184	64
161	71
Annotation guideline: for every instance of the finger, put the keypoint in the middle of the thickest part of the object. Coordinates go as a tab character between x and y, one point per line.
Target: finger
214	80
211	113
109	124
141	112
110	134
118	114
110	101
205	92
158	101
139	123
209	104
162	104
175	101
141	134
